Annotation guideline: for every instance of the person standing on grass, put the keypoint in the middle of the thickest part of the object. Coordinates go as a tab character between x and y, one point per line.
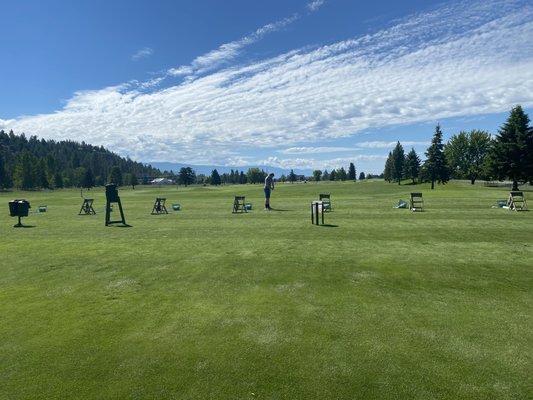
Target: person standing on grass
269	186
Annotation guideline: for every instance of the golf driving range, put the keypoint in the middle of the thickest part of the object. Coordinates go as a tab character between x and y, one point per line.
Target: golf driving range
202	303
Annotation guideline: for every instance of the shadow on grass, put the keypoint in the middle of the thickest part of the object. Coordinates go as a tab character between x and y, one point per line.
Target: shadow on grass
279	209
23	226
329	226
121	226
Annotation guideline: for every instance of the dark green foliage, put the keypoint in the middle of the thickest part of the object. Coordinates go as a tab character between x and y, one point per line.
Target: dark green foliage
325	175
59	164
412	165
362	176
23	175
511	155
115	176
351	172
3	175
398	161
466	154
436	167
387	172
215	178
255	175
186	176
88	180
341	174
333	175
292	177
317	174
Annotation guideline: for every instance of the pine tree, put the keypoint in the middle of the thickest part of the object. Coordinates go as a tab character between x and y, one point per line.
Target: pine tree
387	172
435	164
333	175
317	175
412	165
325	175
351	172
362	176
186	176
3	174
23	173
215	178
292	176
88	180
115	176
512	151
398	161
41	180
134	181
341	174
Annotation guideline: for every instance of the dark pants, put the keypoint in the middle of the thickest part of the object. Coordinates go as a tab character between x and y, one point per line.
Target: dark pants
267	198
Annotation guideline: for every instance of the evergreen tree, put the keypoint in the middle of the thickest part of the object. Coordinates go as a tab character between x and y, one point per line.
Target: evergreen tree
88	180
466	154
511	155
398	161
387	172
283	178
186	176
23	173
58	180
316	175
412	165
242	178
341	174
115	176
351	172
325	175
435	164
215	178
362	176
134	181
255	175
292	176
41	180
333	175
3	174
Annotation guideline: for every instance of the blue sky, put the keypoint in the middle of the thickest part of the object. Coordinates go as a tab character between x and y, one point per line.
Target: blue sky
292	84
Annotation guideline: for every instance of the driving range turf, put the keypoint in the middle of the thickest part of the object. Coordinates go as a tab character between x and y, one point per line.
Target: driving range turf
204	304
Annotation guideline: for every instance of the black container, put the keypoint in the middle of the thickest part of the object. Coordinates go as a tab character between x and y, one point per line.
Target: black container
19	208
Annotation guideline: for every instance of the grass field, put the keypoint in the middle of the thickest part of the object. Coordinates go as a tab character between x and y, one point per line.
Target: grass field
203	304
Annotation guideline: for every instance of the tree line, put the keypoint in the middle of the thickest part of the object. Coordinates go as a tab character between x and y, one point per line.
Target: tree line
470	155
31	163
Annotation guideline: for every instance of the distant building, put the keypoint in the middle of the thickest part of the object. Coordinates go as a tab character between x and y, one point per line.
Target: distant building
162	181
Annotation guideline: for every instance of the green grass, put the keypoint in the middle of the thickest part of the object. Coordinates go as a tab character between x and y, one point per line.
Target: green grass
203	304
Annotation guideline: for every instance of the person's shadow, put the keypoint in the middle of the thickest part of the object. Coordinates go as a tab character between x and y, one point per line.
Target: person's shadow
278	209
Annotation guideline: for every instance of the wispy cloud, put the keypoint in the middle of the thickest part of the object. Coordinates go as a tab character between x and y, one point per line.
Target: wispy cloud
145	52
467	58
229	51
388	145
315	150
315	5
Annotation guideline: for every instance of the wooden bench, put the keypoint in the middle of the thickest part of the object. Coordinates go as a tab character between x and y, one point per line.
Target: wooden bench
239	204
517	201
417	202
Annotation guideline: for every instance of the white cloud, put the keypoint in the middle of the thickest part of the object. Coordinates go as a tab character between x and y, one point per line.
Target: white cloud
459	60
311	163
229	51
315	150
315	5
388	145
145	52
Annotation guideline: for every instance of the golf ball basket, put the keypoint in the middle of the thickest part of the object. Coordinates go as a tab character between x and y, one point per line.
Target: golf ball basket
317	212
19	208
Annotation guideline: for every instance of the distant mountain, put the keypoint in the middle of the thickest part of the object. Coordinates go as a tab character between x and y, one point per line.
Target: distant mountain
206	169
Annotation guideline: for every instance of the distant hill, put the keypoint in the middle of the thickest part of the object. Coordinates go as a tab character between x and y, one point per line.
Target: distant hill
206	169
32	163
